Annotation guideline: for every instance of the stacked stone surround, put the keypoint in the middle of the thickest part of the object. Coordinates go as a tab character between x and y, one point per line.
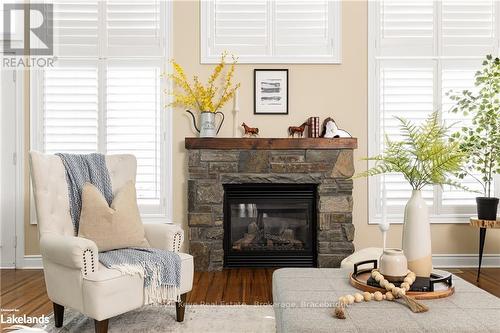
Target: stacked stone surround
210	169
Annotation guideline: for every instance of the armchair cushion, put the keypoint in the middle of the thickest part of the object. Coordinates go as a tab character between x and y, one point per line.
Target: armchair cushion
164	236
115	227
72	252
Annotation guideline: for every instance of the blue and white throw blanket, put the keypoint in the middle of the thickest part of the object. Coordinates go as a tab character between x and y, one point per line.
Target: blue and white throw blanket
81	169
160	269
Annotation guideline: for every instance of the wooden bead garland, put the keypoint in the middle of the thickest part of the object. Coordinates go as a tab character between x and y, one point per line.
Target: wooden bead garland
392	293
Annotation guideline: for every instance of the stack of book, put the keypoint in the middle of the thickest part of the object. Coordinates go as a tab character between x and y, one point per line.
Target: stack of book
313	131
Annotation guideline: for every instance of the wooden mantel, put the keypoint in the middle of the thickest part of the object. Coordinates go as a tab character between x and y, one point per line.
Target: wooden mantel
271	143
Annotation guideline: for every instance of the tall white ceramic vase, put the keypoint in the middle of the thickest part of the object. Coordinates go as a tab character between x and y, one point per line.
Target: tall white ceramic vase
417	235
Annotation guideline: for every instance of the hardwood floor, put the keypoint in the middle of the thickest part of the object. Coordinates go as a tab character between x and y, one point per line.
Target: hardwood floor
232	286
24	290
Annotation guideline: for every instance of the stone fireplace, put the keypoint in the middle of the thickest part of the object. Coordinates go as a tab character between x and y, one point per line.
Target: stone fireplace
216	164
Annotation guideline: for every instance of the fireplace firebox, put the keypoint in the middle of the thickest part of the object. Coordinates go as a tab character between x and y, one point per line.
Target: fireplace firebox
270	225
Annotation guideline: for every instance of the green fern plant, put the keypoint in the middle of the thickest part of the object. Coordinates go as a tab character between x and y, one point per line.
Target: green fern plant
424	157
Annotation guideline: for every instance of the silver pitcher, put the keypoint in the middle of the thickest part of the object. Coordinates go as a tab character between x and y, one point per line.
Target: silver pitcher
207	123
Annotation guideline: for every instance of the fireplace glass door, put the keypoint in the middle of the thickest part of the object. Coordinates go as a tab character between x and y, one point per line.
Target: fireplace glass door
269	225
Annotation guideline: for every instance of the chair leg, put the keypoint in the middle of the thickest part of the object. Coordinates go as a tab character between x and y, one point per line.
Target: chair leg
180	308
101	326
58	314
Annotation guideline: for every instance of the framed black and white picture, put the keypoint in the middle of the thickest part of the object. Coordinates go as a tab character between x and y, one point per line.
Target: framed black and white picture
270	91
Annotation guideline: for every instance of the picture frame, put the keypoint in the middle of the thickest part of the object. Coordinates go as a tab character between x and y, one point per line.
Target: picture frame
270	91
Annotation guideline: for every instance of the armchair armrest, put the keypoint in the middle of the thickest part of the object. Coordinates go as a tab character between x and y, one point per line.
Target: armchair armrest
164	236
73	252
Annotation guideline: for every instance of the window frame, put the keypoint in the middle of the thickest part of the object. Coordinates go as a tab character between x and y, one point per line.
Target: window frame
375	211
206	36
163	213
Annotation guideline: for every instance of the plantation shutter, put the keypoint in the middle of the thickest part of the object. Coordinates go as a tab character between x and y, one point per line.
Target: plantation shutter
70	105
131	28
102	96
239	27
133	123
75	25
134	28
406	90
468	27
420	51
292	31
305	28
406	27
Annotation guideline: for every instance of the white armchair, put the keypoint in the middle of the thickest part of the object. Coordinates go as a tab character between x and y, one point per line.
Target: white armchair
73	275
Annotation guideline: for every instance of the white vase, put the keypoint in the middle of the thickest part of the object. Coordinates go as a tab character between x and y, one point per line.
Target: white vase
417	235
393	264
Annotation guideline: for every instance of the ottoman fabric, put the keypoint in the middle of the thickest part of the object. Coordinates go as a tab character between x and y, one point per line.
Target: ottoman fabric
304	299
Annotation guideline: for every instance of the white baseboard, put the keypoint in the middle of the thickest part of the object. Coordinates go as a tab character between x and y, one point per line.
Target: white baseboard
465	260
32	262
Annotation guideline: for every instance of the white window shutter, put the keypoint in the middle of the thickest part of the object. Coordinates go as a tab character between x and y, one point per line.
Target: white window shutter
105	93
75	28
420	51
406	27
469	27
133	124
70	117
135	28
239	27
306	28
406	90
277	31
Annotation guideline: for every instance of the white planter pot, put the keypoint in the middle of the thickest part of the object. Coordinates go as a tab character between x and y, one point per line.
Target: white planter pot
417	236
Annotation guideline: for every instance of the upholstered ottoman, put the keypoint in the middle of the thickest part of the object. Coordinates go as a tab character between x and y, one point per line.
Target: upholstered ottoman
304	298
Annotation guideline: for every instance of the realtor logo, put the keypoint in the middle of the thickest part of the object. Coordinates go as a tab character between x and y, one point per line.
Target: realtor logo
39	16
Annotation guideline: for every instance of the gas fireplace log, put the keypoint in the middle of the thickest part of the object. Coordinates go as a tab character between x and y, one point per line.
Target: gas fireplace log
244	242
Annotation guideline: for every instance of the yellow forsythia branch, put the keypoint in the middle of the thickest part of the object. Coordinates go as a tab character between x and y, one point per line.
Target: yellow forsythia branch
200	96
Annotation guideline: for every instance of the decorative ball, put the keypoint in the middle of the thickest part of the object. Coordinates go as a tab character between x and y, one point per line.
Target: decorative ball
367	296
390	286
383	283
342	300
378	296
405	286
358	298
389	296
378	277
408	280
350	299
374	272
395	291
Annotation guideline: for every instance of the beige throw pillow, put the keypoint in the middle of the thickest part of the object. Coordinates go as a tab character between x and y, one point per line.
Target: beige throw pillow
115	227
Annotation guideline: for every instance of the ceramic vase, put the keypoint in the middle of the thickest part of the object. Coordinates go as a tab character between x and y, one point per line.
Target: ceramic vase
393	264
417	235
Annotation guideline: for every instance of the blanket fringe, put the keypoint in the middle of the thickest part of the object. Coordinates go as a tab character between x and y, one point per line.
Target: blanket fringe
154	293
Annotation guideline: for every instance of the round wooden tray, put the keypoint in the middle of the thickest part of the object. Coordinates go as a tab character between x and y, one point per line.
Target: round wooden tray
359	278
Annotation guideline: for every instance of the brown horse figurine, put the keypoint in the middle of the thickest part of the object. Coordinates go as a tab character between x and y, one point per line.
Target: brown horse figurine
250	130
297	129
